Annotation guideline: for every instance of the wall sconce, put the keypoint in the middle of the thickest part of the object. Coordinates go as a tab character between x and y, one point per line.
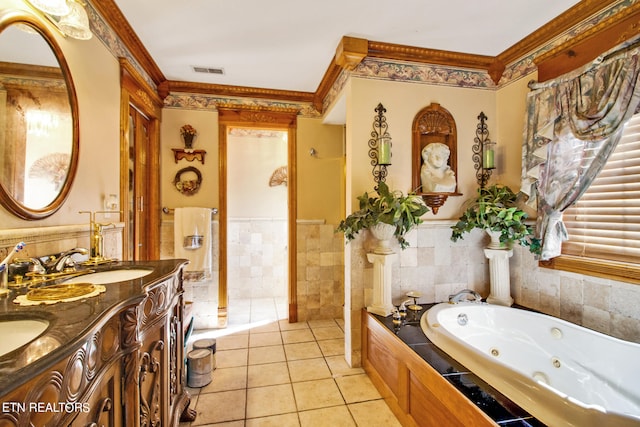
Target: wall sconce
69	16
380	145
483	152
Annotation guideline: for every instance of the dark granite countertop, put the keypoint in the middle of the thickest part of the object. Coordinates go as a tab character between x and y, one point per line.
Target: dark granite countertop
490	401
70	322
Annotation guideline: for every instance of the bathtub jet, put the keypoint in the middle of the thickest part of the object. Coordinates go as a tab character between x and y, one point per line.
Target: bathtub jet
561	373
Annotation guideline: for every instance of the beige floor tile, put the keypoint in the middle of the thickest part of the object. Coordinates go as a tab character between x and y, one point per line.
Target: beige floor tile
219	407
340	367
317	394
224	379
321	323
286	420
269	327
357	388
297	335
373	413
286	326
232	358
271	400
267	354
327	333
332	347
336	416
268	374
305	350
230	342
308	369
265	339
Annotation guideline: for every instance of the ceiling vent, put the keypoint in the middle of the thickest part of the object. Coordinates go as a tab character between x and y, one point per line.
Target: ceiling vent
208	70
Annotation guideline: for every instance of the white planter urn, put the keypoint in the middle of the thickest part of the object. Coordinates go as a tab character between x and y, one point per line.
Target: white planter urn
384	233
495	240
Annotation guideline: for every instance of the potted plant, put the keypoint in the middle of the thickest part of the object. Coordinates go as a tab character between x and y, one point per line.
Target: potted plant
399	213
494	209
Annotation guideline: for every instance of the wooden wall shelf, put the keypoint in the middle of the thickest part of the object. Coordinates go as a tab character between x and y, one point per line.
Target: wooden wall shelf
188	155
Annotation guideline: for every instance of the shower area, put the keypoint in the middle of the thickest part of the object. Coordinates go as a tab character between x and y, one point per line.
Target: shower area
257	224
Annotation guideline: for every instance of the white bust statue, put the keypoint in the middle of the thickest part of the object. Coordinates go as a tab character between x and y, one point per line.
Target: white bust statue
435	174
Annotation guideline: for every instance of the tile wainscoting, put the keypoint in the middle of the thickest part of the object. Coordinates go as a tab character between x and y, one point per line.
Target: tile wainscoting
41	241
437	267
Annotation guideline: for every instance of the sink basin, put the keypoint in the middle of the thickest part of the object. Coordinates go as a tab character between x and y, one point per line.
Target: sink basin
110	276
16	333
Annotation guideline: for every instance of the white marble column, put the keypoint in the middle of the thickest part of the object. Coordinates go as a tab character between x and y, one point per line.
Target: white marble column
500	293
382	266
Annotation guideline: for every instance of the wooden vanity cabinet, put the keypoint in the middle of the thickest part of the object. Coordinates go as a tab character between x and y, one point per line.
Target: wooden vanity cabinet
127	371
416	393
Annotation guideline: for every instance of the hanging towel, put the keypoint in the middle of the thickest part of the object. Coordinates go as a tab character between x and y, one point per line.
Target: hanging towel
192	240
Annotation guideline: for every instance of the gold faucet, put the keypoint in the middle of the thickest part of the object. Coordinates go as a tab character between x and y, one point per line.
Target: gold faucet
96	238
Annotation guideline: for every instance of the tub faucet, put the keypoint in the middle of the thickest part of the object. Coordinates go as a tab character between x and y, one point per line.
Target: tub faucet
465	295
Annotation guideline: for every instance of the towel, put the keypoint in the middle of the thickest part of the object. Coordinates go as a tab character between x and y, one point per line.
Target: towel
192	240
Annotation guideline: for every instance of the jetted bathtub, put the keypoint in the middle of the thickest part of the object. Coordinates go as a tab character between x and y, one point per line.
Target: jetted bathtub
561	373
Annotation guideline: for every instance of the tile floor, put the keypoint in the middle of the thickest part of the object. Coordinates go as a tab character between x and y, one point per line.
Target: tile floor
273	373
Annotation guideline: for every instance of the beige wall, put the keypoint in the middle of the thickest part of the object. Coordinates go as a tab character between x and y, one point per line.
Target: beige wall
403	101
206	123
98	90
320	177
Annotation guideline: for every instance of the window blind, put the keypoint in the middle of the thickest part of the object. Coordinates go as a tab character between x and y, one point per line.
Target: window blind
605	222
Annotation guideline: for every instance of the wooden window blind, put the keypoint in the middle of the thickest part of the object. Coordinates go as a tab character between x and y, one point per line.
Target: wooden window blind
605	222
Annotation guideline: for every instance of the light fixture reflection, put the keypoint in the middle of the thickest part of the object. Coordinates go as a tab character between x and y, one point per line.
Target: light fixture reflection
76	23
51	7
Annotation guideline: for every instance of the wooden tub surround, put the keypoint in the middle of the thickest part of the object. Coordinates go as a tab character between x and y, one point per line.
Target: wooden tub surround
425	387
111	360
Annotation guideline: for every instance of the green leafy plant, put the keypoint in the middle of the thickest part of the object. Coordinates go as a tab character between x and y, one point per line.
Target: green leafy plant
389	207
495	209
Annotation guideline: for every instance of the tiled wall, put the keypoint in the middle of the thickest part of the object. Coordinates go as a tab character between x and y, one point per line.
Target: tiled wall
320	265
257	258
41	241
437	267
204	293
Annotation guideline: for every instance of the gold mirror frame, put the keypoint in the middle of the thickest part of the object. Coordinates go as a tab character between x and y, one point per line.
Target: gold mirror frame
7	19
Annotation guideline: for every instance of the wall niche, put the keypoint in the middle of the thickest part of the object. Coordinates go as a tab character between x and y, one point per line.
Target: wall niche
434	155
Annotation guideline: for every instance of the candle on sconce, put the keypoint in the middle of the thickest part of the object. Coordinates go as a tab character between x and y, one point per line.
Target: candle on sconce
489	160
384	150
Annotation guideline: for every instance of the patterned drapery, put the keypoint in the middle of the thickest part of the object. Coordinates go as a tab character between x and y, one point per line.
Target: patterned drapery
573	124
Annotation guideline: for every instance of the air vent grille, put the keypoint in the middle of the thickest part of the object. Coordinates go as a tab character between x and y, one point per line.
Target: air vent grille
208	70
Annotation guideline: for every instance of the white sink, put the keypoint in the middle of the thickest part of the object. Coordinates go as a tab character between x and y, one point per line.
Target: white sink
110	276
16	333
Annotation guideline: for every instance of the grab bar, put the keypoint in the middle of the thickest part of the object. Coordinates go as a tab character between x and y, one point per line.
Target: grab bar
170	211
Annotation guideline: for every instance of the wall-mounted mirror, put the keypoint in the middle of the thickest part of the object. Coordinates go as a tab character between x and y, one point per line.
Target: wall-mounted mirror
38	119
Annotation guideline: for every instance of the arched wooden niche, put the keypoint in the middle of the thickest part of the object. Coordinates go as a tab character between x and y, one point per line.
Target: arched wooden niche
434	124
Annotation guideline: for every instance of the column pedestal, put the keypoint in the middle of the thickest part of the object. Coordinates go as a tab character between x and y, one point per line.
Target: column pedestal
499	276
382	266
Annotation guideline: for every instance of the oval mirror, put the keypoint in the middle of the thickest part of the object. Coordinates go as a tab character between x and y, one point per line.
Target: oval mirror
38	113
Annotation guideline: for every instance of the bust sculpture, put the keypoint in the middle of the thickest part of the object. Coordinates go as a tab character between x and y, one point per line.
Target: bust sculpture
436	174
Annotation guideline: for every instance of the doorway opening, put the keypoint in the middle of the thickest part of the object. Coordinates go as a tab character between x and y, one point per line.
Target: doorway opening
257	229
257	224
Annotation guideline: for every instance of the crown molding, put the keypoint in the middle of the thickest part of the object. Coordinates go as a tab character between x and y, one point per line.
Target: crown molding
113	16
554	28
169	86
350	53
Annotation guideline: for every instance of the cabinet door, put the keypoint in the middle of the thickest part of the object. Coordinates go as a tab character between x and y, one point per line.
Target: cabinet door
103	409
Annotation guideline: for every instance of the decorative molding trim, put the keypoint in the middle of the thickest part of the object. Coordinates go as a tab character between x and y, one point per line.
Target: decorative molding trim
120	26
381	61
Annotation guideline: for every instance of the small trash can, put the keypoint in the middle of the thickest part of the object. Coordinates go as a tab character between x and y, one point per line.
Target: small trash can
199	367
209	343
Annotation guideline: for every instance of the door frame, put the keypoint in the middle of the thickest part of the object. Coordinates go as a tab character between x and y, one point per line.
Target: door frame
228	118
136	92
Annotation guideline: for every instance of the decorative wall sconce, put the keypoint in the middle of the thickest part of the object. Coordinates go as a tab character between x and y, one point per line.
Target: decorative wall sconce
69	16
483	152
380	145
